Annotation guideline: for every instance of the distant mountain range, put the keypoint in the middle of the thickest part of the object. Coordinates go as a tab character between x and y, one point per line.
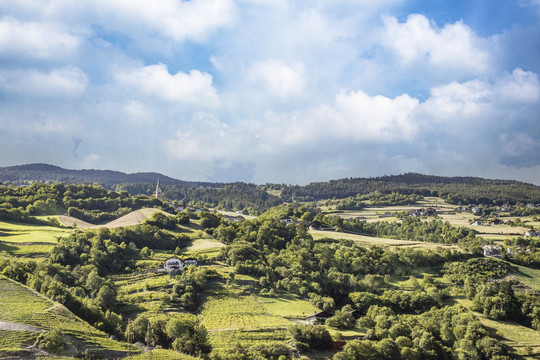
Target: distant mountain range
22	174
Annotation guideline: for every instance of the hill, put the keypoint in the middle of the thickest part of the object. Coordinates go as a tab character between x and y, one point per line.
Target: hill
23	174
133	218
453	189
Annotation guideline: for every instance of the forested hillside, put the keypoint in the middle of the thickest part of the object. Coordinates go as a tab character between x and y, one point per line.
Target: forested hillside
453	189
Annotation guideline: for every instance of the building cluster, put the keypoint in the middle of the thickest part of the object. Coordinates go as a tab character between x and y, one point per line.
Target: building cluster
311	225
423	212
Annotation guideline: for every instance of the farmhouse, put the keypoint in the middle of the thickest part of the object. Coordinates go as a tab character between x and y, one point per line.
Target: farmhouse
477	223
318	318
492	251
531	233
495	222
173	263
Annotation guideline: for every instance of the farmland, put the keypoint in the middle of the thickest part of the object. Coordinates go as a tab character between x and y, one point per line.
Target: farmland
20	305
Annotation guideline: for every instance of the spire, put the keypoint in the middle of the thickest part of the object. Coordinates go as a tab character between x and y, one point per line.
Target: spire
159	192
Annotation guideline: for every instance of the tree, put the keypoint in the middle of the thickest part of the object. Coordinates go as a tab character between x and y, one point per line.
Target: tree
188	336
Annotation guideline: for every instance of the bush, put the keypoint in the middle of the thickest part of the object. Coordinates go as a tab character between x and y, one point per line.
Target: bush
311	337
51	341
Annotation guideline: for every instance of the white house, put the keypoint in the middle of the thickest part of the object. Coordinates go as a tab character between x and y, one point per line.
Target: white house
477	223
530	233
173	263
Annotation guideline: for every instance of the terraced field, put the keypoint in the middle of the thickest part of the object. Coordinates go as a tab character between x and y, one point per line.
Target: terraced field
22	306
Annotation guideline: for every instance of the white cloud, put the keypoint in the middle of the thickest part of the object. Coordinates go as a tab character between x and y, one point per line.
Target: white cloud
206	139
455	47
278	78
478	101
355	117
67	82
178	20
90	161
520	86
35	40
138	112
194	88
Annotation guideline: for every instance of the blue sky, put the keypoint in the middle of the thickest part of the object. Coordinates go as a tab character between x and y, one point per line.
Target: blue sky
273	90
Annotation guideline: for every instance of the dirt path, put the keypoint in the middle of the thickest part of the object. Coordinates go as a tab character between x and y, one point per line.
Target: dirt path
4	325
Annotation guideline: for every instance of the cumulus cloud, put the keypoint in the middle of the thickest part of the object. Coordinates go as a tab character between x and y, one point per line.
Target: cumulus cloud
35	40
67	82
279	79
205	138
354	117
177	20
194	88
478	100
455	47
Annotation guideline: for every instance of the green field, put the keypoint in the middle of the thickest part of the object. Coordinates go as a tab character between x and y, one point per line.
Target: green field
528	276
26	240
287	306
231	309
23	306
363	240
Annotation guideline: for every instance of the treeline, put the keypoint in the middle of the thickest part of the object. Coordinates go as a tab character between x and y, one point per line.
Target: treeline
453	189
375	199
249	198
91	203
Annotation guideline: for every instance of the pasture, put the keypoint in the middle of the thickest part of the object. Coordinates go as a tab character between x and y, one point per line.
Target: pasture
27	240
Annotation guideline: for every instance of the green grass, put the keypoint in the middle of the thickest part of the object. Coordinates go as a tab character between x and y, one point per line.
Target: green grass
27	240
528	276
287	306
25	233
160	354
231	309
514	335
227	339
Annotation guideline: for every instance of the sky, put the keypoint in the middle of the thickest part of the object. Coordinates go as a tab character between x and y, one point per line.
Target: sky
273	91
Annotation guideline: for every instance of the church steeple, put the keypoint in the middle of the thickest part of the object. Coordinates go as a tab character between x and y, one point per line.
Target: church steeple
159	192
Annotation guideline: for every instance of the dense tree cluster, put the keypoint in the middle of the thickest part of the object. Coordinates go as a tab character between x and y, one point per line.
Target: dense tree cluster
287	258
478	268
181	333
436	334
